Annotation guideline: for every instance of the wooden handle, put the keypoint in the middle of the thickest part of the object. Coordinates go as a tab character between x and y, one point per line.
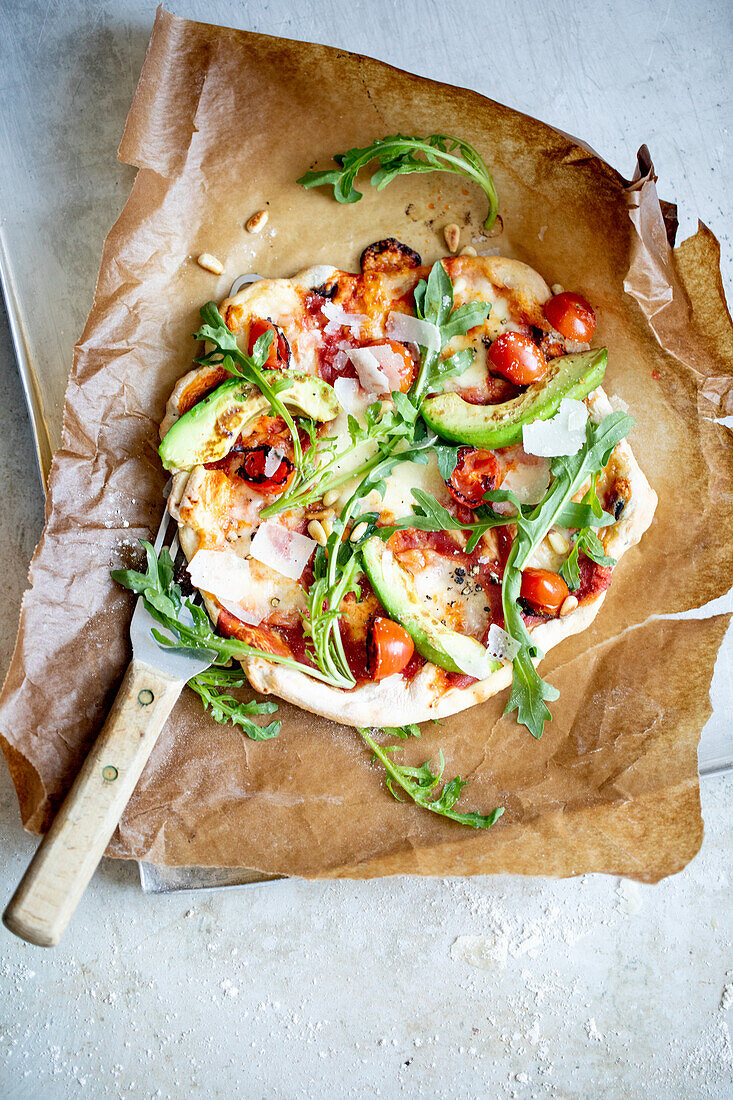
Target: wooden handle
67	857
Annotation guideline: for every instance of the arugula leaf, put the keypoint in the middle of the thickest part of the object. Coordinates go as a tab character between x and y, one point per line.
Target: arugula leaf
399	155
421	783
225	708
187	626
338	563
582	515
403	732
587	541
430	515
447	459
570	472
434	303
230	356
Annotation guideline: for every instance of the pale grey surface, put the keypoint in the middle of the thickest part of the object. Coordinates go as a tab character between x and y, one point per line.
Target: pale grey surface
300	989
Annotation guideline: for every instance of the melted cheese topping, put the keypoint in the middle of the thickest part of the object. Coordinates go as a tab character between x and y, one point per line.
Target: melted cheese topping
224	512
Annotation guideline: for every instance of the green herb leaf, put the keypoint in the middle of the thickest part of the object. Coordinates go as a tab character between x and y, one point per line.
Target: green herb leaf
226	708
398	155
430	515
421	783
229	355
434	303
447	459
570	472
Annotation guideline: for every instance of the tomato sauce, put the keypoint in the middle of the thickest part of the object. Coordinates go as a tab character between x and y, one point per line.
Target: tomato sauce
594	578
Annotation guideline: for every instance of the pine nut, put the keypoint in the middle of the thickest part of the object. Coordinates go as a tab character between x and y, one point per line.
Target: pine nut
327	525
257	222
359	531
469	250
316	531
558	542
452	234
569	604
210	263
556	288
330	497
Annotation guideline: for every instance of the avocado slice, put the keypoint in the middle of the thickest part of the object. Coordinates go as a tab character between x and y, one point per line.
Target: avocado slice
493	426
433	639
208	431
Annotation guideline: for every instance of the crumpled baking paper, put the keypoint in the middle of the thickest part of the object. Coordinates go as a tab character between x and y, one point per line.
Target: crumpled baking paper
222	124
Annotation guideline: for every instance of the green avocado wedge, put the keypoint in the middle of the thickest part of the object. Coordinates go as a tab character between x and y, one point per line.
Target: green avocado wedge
433	639
493	426
208	431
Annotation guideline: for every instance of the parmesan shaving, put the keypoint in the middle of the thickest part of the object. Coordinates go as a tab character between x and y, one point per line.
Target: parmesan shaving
285	551
563	434
371	375
241	613
528	477
272	461
413	330
349	395
221	572
501	645
338	317
391	363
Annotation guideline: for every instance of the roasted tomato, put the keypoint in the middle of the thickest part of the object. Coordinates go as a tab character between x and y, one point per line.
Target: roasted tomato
390	648
571	316
476	473
407	370
517	358
279	354
544	591
389	255
252	469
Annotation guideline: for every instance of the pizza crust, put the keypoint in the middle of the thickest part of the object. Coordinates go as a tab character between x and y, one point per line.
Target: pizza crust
396	701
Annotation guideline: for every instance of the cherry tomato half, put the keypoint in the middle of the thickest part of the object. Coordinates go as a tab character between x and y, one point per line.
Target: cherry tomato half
252	470
279	354
518	358
390	648
405	369
545	591
572	316
476	472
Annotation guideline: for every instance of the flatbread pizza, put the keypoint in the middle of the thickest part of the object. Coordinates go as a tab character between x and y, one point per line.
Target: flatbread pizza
398	488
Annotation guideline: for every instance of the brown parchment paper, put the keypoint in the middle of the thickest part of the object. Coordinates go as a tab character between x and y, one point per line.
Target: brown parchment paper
222	124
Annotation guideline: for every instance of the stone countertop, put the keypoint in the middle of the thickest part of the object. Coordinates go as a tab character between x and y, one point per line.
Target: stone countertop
443	988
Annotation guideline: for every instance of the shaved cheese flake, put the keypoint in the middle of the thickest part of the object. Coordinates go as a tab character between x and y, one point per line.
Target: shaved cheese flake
338	317
251	618
285	551
273	459
617	403
391	363
563	434
221	572
501	645
371	375
349	395
528	479
413	330
340	360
